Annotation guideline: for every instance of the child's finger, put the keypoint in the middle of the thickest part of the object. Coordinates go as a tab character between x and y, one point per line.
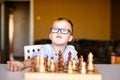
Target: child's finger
11	67
15	68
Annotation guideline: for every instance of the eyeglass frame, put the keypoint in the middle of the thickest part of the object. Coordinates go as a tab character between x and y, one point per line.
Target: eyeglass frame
60	29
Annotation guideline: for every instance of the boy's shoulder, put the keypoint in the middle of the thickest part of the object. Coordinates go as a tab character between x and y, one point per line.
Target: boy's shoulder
46	45
70	46
49	45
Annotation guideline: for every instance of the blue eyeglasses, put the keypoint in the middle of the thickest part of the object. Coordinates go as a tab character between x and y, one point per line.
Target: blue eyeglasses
62	30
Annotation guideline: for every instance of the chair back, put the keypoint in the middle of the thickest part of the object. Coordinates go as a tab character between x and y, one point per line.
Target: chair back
29	50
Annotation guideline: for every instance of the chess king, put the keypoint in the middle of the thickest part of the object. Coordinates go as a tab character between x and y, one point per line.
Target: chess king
60	34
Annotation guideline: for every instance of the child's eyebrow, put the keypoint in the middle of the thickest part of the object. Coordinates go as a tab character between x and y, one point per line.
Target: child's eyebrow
59	27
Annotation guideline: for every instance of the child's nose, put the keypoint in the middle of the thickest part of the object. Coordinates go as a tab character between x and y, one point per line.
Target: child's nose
59	31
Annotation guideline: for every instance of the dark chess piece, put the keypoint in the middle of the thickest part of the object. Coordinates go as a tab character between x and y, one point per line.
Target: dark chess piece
32	69
61	61
69	57
45	63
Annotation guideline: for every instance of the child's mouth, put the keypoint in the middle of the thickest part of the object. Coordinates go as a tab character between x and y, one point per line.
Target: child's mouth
58	37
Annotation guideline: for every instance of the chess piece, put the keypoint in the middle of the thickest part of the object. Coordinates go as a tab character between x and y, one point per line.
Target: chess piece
61	62
83	68
45	63
56	65
52	67
42	67
80	61
113	58
32	65
90	62
69	57
74	64
37	63
70	70
48	64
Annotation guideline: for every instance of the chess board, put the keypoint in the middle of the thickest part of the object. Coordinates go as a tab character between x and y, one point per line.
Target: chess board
94	75
45	69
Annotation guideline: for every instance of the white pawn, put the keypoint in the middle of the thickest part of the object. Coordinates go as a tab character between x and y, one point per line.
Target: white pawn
70	67
42	67
83	68
90	62
74	64
48	62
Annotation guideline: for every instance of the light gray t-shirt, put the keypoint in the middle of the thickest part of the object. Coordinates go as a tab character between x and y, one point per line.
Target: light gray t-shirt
48	52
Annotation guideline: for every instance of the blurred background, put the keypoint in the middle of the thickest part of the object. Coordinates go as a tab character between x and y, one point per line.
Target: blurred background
23	22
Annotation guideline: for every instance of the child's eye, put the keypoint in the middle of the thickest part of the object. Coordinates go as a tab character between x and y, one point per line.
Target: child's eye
54	30
64	30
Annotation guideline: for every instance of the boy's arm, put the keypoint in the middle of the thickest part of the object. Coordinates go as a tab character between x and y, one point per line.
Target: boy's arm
18	65
27	63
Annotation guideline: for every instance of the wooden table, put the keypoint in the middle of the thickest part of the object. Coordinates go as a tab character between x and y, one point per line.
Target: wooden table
108	72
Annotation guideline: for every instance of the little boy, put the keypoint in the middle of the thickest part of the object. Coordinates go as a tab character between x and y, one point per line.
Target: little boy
60	34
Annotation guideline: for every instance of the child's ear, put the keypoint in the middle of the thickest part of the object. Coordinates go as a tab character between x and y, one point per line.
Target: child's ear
70	38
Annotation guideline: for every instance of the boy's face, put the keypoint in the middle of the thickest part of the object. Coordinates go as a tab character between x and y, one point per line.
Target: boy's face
61	33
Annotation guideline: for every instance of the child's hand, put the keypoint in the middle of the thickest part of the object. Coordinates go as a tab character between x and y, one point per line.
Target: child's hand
15	65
